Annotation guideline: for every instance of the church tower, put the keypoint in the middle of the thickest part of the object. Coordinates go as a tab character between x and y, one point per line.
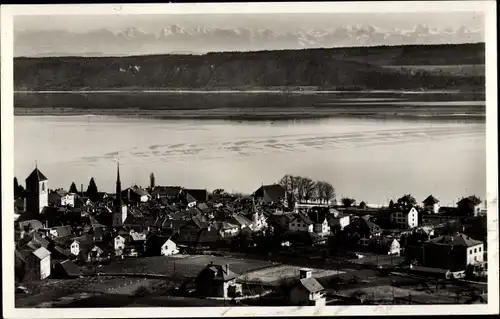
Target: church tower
120	209
37	194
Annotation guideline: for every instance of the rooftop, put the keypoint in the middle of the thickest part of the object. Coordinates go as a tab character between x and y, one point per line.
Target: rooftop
36	176
311	284
457	240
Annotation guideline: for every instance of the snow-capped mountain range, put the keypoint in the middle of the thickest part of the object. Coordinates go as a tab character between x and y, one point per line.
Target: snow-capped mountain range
178	40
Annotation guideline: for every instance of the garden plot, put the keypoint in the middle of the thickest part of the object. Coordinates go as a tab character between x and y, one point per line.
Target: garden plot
274	274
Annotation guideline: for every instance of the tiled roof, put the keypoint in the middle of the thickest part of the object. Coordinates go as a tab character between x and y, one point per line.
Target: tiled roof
70	268
63	231
139	191
220	272
169	191
41	253
241	220
457	240
32	224
36	176
271	193
200	195
472	199
311	284
430	200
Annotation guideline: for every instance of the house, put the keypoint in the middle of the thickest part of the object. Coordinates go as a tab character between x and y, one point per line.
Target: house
191	230
60	197
62	231
405	218
382	245
80	244
34	264
301	223
119	245
135	195
225	229
190	201
271	194
66	269
469	206
30	225
170	192
452	252
157	245
199	195
241	221
431	204
217	281
307	291
340	221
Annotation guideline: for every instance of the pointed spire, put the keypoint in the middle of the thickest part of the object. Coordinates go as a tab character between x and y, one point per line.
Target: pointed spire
118	186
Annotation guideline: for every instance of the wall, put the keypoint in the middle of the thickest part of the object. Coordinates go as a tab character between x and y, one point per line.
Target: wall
45	267
475	254
298	296
299	225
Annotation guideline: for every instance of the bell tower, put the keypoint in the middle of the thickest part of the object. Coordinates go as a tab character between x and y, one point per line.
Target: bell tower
37	193
120	209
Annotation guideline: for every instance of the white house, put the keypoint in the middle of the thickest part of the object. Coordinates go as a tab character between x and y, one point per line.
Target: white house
340	220
68	200
160	246
119	243
405	219
36	263
169	248
307	292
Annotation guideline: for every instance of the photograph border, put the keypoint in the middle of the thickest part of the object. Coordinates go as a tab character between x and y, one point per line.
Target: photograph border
10	11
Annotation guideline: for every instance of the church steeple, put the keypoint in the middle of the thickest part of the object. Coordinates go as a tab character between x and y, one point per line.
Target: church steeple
118	201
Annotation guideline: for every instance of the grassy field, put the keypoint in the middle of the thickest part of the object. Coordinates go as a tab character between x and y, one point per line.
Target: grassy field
182	267
274	274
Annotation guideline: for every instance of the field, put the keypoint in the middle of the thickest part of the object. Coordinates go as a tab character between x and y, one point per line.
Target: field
274	274
187	267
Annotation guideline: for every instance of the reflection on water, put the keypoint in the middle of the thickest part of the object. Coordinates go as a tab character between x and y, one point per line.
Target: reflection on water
372	160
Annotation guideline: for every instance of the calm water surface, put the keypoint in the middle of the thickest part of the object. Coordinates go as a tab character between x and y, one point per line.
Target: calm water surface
371	160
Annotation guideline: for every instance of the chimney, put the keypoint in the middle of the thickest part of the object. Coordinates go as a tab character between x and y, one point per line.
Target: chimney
227	268
81	189
305	273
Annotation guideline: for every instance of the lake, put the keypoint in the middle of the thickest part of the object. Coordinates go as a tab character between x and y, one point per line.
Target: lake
369	159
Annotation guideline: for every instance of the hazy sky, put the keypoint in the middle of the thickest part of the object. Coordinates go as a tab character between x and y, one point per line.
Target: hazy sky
275	22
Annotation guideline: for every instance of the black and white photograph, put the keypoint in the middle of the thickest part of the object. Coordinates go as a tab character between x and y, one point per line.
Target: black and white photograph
249	159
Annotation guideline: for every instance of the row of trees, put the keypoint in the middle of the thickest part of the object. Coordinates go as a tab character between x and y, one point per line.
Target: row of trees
305	189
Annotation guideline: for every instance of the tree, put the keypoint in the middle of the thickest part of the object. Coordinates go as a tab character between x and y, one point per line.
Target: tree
306	188
348	202
407	201
92	189
18	189
152	180
73	189
362	205
391	204
329	192
469	272
320	191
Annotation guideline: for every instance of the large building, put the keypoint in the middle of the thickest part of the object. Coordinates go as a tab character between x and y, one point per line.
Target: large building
431	204
37	193
405	218
452	252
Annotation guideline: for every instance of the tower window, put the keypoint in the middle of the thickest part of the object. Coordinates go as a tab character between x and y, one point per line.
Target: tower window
43	187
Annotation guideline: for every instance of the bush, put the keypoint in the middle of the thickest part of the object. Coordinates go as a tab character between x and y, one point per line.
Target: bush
141	291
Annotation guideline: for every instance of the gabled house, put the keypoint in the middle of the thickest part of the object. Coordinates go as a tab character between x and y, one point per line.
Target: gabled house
307	291
452	252
156	245
61	231
301	223
271	194
66	269
60	197
34	264
405	218
199	195
217	281
80	244
319	218
170	192
382	245
340	221
469	206
135	195
241	221
431	205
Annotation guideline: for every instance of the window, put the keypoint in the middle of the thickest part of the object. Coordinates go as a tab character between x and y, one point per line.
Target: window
470	252
479	249
43	187
475	250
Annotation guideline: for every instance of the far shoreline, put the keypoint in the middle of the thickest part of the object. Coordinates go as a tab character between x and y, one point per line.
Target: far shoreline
252	115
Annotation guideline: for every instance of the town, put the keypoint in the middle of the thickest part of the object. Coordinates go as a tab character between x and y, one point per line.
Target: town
289	243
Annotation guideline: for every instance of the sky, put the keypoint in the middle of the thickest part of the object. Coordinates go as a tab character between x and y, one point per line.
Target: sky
152	34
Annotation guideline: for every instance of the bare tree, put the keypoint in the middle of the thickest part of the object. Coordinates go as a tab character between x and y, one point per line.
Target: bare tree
329	192
320	191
